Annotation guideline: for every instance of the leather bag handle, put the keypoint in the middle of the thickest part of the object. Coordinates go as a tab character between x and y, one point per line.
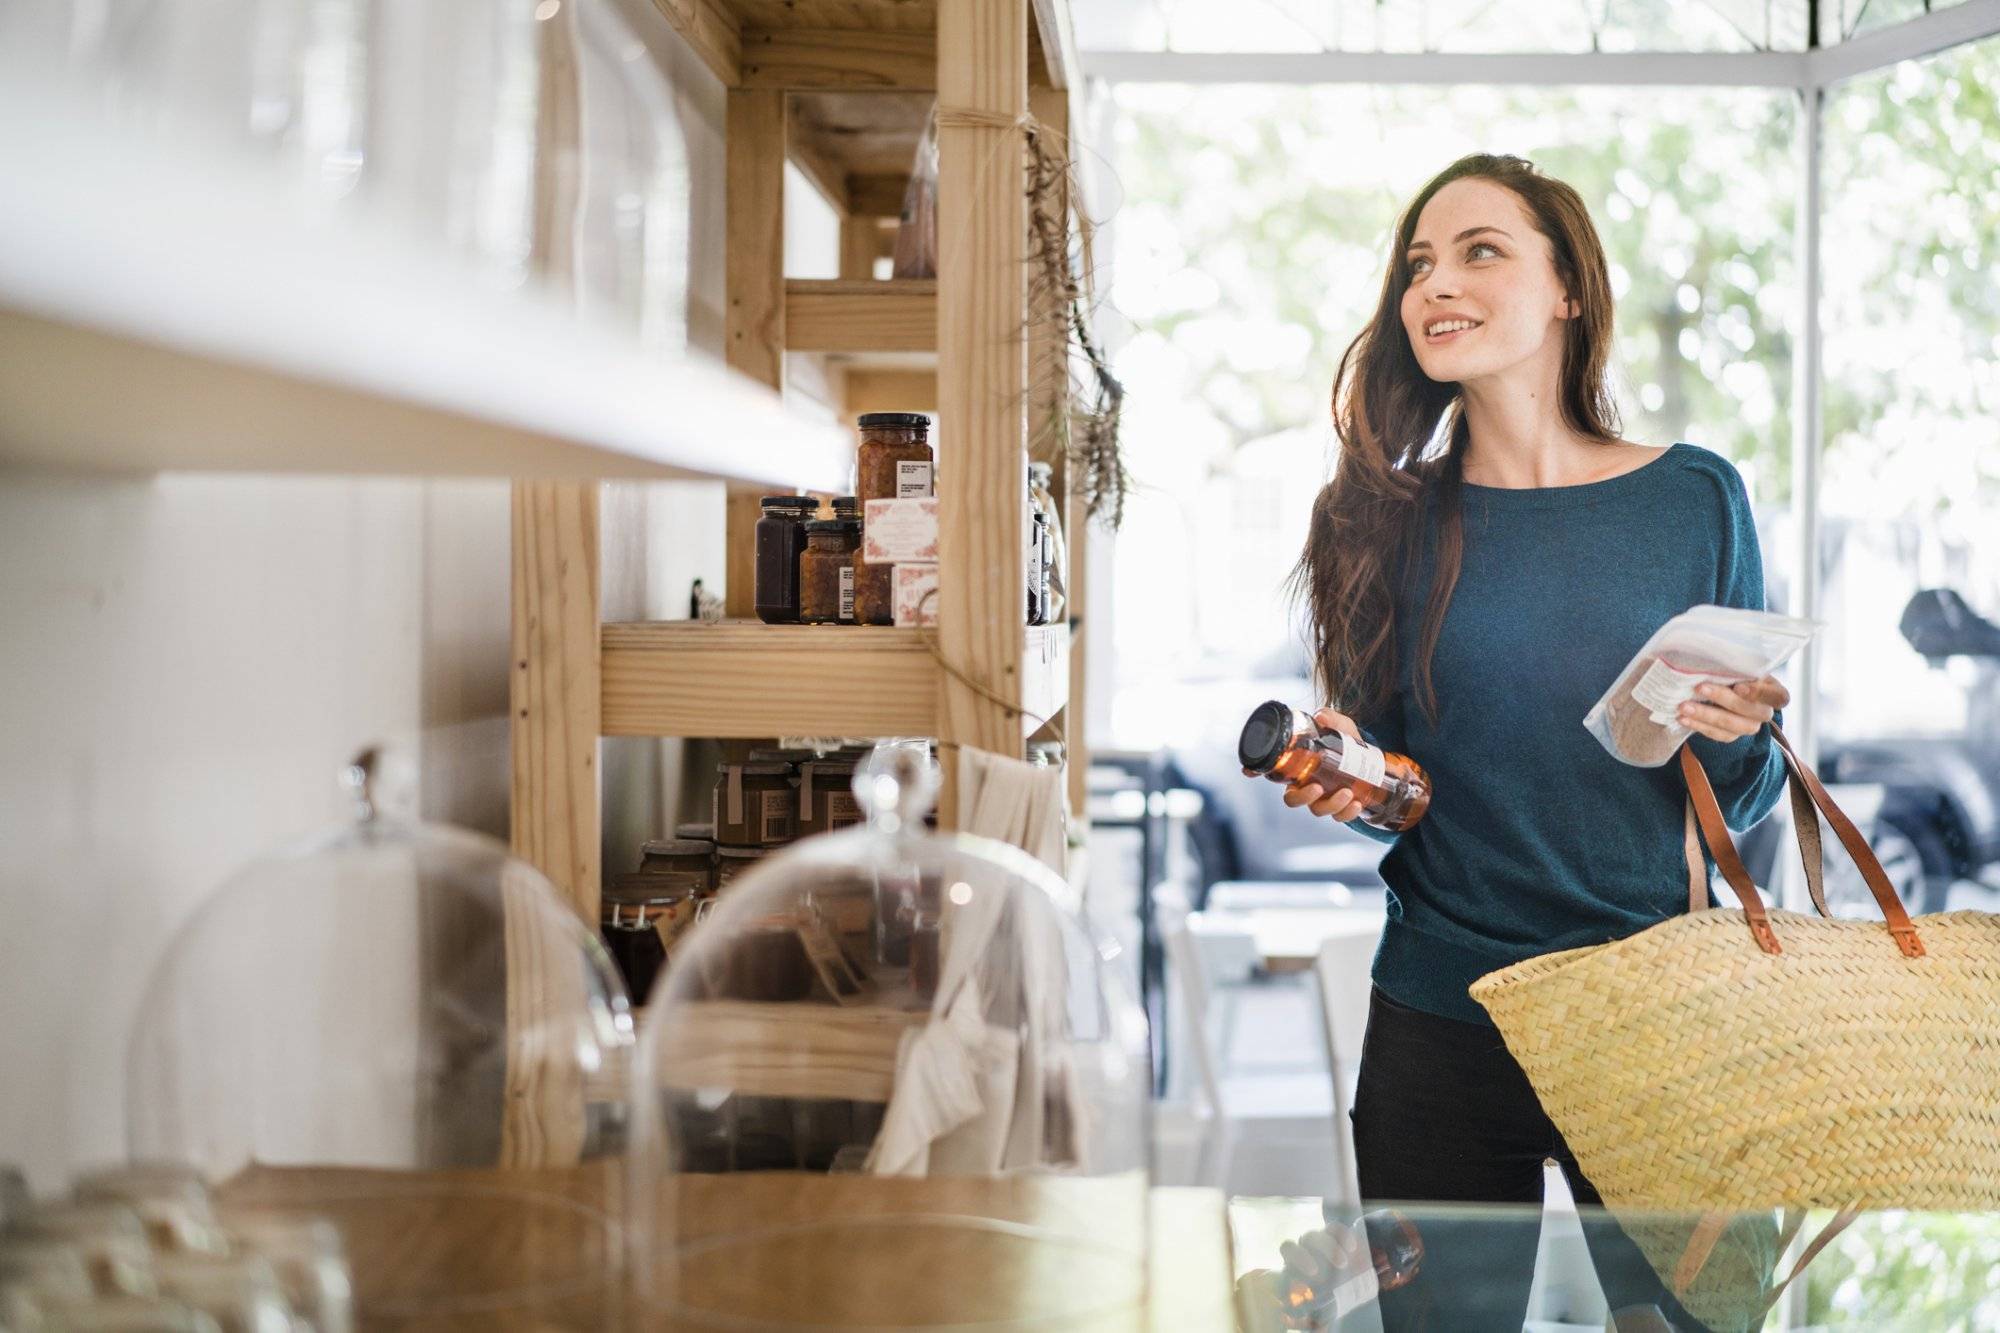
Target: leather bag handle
1807	796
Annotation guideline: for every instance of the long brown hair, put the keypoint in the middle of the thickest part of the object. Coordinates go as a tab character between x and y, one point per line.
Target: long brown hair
1367	523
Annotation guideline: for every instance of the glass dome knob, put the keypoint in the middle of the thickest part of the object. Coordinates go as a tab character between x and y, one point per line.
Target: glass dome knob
358	777
896	786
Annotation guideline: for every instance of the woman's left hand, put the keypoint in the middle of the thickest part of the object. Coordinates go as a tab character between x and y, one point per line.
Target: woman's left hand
1731	712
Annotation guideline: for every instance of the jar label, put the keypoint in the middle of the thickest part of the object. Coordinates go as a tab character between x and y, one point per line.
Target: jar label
847	594
913	480
778	816
842	810
1362	761
673	921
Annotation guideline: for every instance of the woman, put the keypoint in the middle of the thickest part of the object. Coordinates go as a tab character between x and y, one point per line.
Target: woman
1469	602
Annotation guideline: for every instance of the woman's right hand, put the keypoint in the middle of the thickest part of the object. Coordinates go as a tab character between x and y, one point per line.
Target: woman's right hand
1342	804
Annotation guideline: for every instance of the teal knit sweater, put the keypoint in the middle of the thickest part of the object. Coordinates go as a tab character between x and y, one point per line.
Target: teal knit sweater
1536	838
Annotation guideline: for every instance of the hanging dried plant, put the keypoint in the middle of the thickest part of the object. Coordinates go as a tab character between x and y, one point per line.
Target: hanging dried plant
1083	397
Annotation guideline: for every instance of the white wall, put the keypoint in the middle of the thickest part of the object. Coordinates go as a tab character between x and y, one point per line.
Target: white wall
185	661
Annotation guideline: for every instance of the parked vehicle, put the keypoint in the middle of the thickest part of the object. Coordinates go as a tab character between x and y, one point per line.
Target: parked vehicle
1933	801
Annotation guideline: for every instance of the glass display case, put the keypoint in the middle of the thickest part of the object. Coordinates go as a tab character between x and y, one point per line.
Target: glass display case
403	1030
887	1079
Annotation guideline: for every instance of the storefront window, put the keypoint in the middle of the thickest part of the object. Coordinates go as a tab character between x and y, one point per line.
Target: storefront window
1250	245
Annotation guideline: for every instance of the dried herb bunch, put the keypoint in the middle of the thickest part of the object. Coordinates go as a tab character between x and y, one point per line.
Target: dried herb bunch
1082	417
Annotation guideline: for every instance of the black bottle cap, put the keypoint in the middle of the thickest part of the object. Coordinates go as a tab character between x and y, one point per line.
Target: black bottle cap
783	502
894	419
1265	736
814	525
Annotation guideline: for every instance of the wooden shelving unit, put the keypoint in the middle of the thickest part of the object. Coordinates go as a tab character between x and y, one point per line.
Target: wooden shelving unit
741	679
840	88
859	319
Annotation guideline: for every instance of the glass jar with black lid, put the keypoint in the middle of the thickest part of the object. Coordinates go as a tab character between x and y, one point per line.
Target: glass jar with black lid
826	572
780	541
894	461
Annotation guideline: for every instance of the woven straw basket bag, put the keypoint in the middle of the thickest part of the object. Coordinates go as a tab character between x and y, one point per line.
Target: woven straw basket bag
1725	1062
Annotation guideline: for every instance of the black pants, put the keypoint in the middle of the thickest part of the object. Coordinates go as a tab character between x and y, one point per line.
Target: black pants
1442	1113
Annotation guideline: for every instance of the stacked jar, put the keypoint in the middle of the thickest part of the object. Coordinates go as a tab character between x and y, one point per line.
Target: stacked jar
894	462
826	571
644	914
826	794
781	541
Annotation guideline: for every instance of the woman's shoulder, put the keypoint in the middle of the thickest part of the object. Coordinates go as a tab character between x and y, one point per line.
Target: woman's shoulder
1692	467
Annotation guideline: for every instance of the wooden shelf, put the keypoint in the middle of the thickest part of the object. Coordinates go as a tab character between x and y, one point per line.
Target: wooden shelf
786	1050
224	327
849	43
747	679
861	318
744	679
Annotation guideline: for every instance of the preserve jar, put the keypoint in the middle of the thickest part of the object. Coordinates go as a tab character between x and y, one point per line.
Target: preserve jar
756	805
780	540
687	858
826	795
874	592
732	863
894	460
642	917
1286	745
826	572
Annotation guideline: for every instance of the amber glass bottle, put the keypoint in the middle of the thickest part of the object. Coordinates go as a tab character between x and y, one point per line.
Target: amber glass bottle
1286	745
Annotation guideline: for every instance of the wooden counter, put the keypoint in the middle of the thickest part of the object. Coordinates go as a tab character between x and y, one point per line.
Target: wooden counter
507	1250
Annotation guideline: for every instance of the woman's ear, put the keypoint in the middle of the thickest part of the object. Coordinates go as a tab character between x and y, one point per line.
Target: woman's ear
1570	309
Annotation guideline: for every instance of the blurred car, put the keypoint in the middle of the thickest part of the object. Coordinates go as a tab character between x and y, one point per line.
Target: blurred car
1929	806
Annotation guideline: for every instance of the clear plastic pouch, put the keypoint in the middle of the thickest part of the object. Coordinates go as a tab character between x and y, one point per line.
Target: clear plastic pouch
1637	719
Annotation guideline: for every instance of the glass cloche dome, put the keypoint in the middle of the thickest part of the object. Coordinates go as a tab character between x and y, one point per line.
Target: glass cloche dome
889	1081
405	1031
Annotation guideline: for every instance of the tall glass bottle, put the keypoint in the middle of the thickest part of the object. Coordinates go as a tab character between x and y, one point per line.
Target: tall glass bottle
1285	745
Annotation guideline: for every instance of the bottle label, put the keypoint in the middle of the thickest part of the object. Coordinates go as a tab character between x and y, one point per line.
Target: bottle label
847	593
1362	761
1356	1291
1665	687
913	480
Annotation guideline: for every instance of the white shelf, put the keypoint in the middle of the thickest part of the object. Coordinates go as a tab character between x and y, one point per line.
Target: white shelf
172	314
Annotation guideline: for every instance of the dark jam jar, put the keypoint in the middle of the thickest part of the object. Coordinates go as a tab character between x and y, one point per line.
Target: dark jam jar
781	539
826	572
642	917
894	461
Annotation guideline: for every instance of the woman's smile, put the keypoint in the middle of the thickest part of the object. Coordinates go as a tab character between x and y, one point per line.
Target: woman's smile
1443	331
